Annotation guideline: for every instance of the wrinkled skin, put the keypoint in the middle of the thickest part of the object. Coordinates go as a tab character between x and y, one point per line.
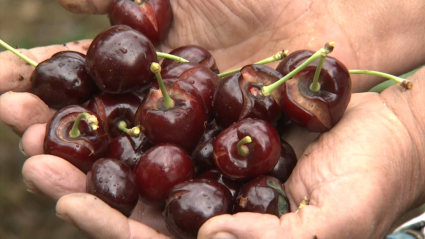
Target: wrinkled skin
345	187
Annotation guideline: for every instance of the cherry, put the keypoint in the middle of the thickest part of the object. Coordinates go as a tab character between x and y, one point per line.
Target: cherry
152	18
247	149
129	149
63	80
171	115
194	54
203	79
263	194
114	109
287	162
215	175
238	96
191	203
76	135
160	169
315	101
113	182
202	155
119	60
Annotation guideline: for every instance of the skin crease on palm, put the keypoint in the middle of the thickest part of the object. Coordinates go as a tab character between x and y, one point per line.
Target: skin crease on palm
346	187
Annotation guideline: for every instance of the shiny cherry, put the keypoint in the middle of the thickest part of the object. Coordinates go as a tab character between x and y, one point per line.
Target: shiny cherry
215	175
160	169
247	149
316	111
192	203
114	183
153	18
119	60
194	54
238	96
83	150
287	162
63	80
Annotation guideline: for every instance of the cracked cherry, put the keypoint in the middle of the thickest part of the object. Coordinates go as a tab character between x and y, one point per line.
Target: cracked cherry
63	80
191	203
114	183
114	109
238	96
76	135
194	54
263	194
160	169
153	18
119	60
317	111
247	149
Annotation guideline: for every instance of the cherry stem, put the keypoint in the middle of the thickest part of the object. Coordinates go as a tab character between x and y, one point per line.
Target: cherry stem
276	57
403	82
91	120
267	90
171	57
305	202
16	52
134	132
243	150
156	69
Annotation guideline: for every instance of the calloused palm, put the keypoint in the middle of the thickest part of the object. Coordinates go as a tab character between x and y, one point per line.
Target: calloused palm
238	33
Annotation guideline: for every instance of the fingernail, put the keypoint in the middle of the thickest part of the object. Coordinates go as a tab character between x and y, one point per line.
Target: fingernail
223	235
66	218
21	149
31	187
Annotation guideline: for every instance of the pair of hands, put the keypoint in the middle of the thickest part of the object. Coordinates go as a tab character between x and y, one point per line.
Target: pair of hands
361	176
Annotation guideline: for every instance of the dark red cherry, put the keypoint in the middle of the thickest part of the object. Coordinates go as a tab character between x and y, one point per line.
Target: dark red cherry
129	149
247	149
182	124
114	183
202	78
192	203
287	162
115	108
202	156
238	96
153	18
81	151
315	111
119	60
263	194
215	175
63	80
160	169
194	54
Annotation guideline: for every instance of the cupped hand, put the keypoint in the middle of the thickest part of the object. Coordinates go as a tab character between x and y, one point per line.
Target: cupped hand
249	32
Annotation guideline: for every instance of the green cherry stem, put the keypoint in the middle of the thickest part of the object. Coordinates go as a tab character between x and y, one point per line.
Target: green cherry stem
91	120
170	56
403	82
267	90
276	57
156	69
242	148
16	52
134	132
315	85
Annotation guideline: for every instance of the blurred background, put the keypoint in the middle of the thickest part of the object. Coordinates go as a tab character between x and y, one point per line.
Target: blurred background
27	24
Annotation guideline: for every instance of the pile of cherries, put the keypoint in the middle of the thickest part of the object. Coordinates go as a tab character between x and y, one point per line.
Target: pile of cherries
179	134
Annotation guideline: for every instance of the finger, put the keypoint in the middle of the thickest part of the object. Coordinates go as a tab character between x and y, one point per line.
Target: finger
241	225
53	176
15	73
33	140
98	220
21	110
86	6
